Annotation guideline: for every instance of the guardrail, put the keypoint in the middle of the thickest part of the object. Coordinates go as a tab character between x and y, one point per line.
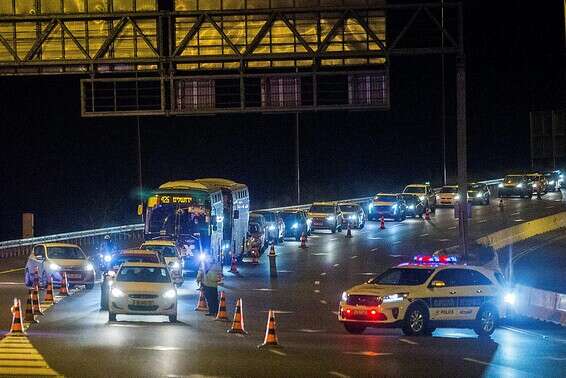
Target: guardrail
541	304
133	232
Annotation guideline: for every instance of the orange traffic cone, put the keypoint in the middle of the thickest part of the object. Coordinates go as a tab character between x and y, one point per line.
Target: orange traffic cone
349	232
35	301
234	265
222	315
17	321
64	288
382	223
29	315
427	214
238	323
304	240
49	292
270	334
201	306
272	251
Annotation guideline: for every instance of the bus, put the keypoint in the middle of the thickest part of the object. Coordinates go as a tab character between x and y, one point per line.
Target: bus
188	212
235	218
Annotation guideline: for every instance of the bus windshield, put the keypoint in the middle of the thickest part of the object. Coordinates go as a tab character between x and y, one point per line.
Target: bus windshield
170	220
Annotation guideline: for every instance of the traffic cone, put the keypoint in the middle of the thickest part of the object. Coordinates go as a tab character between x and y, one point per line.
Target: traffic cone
304	240
222	315
202	305
238	323
29	315
270	334
272	251
64	288
382	223
348	232
49	292
35	301
500	205
234	265
427	214
17	321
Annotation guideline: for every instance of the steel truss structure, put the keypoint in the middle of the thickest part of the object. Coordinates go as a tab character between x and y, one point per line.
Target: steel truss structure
208	56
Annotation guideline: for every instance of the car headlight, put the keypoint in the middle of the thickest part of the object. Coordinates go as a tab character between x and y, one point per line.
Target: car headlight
479	195
509	298
391	298
89	267
272	228
54	266
457	197
370	206
170	294
345	296
411	207
330	218
422	198
500	185
520	185
117	292
175	265
534	184
352	217
295	226
552	182
107	258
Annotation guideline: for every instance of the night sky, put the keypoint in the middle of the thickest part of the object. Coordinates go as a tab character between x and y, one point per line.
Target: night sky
76	173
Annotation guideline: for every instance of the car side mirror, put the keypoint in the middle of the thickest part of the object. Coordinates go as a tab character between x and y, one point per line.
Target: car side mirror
437	284
40	257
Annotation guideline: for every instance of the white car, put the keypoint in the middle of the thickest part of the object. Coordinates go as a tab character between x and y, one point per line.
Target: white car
52	259
447	196
142	289
168	250
418	297
425	193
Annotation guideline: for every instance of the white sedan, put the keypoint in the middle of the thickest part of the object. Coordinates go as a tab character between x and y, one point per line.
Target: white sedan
142	289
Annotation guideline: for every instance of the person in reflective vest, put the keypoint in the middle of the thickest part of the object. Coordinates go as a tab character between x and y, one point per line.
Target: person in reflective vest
207	278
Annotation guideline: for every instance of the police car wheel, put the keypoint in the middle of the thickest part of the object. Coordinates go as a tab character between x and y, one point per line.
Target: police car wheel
173	318
354	328
415	323
486	321
111	317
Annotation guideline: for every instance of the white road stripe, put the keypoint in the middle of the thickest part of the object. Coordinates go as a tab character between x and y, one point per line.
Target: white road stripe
443	240
354	257
374	249
515	213
11	270
519	220
396	242
316	291
323	301
452	228
323	274
337	374
374	238
336	265
277	352
482	221
423	235
368	353
265	289
333	239
317	282
409	341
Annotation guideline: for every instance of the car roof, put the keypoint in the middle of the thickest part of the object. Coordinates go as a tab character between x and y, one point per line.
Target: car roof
348	204
159	242
450	186
418	185
328	203
144	265
386	194
55	244
137	252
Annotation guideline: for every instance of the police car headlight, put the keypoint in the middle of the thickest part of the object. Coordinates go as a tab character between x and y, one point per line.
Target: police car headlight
392	298
54	266
352	217
520	185
107	258
89	267
170	294
509	298
344	297
478	195
272	228
500	185
411	207
117	292
295	226
422	198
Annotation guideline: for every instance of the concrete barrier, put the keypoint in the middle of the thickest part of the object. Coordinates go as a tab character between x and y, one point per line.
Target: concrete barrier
541	304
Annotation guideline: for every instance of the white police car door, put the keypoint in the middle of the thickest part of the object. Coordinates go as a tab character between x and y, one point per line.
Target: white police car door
476	289
443	301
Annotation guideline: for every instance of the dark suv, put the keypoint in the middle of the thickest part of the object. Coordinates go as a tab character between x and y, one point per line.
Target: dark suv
516	185
325	216
296	223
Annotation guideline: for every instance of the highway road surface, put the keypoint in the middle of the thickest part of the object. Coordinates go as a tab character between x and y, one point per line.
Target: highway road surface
75	339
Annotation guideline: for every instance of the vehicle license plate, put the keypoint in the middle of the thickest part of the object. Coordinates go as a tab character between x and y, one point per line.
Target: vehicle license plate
142	303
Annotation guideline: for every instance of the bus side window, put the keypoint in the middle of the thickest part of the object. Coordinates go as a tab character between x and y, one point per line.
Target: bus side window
236	214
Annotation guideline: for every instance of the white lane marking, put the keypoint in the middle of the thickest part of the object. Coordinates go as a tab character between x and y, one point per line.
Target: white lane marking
333	239
368	353
423	235
285	271
482	221
317	282
530	333
354	257
515	213
323	301
323	274
337	374
126	325
308	330
552	358
374	238
409	341
264	289
334	312
443	240
280	312
396	242
160	348
366	274
477	361
11	270
509	369
336	265
374	249
316	291
320	254
277	352
11	283
396	256
518	220
452	228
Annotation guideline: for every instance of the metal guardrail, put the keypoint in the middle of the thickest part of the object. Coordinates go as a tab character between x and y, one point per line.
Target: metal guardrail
12	248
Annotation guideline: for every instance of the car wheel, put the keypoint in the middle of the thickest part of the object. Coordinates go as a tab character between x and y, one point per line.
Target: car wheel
89	286
173	318
486	321
416	321
355	329
362	225
111	317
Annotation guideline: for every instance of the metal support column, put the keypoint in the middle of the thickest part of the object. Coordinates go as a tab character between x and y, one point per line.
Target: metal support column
297	158
462	153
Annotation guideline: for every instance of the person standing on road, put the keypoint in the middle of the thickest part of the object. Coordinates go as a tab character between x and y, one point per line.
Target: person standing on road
207	278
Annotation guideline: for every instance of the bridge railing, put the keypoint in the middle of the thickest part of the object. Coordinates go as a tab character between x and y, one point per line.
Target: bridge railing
90	239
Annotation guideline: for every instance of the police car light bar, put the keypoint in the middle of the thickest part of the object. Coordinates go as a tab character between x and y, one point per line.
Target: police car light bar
428	259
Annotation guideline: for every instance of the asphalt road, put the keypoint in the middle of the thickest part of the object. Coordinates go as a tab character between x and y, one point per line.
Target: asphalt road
75	338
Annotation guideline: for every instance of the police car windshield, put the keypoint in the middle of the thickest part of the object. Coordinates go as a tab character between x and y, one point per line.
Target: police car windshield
449	189
402	277
414	189
475	187
164	250
322	209
70	253
143	274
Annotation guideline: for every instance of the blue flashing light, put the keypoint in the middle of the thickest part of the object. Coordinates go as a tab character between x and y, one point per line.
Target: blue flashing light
428	259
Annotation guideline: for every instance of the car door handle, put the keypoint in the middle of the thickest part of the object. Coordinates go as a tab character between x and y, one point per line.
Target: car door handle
452	292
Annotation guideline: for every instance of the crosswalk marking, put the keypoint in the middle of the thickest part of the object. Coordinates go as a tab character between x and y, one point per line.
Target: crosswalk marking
19	357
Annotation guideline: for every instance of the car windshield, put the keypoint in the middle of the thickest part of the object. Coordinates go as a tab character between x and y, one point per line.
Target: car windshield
269	217
349	208
386	198
322	209
143	274
290	217
513	179
120	259
164	250
71	253
475	187
402	276
414	189
449	189
409	197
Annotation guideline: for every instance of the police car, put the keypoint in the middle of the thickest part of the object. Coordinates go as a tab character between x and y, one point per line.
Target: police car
430	292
